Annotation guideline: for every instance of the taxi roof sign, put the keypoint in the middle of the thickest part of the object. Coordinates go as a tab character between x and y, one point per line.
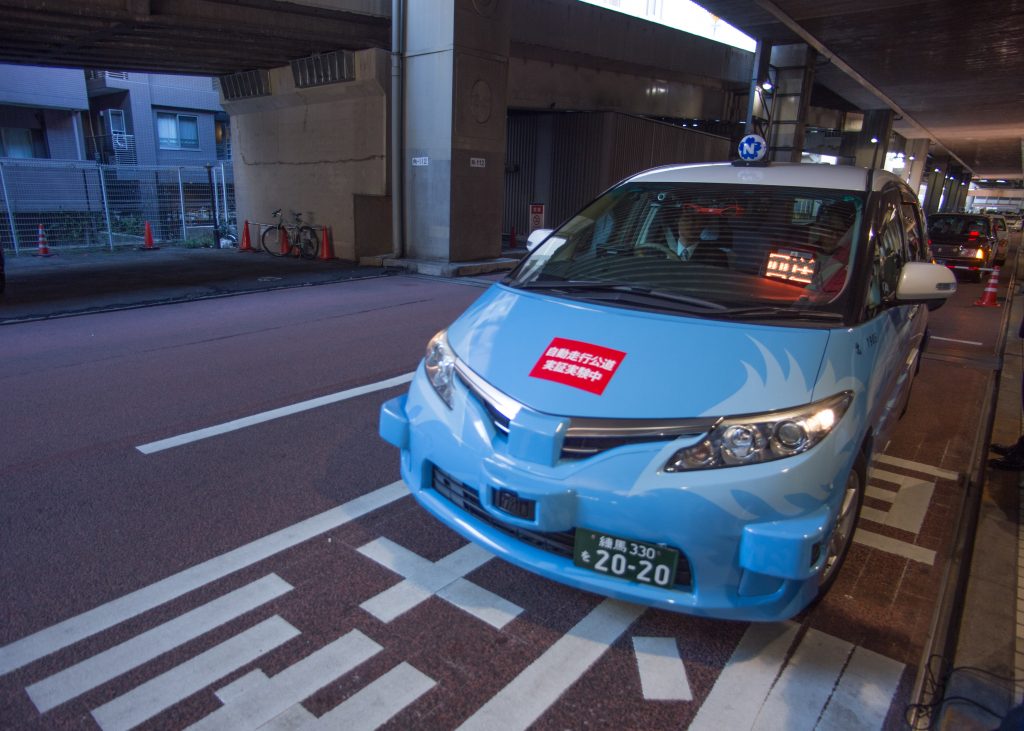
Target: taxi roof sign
752	150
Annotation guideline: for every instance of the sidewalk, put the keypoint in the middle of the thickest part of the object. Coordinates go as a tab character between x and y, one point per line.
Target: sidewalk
80	281
986	674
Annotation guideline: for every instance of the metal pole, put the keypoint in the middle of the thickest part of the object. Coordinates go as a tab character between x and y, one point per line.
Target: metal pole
213	196
216	203
10	211
397	122
106	205
181	201
224	196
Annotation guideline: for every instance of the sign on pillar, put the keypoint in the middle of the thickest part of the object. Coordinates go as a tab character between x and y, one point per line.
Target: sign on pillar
536	216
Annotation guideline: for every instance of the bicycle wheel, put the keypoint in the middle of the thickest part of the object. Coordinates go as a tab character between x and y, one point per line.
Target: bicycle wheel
271	241
308	243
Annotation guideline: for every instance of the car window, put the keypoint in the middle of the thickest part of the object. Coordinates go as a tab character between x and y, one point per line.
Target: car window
958	225
912	231
889	254
728	244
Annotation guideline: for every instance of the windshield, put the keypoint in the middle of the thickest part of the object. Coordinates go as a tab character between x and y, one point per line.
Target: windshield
957	226
699	247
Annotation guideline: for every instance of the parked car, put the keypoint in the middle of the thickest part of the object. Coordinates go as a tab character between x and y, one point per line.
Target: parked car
966	242
690	432
1002	233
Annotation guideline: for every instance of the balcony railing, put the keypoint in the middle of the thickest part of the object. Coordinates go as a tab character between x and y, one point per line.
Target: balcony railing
113	149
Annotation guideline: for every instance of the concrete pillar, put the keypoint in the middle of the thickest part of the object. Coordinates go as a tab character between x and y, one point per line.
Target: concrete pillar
878	127
321	151
793	67
936	181
456	69
918	150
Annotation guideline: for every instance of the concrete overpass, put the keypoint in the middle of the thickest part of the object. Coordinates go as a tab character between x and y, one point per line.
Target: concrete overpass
325	147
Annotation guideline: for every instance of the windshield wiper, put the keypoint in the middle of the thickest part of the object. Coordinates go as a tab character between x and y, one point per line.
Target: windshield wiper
584	285
777	313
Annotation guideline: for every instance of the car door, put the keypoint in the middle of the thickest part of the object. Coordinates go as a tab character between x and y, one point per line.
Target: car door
892	333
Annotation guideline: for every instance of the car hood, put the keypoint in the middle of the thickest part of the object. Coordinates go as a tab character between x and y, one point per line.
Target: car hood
575	358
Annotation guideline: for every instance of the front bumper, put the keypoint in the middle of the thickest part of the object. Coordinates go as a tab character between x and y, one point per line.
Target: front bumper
751	539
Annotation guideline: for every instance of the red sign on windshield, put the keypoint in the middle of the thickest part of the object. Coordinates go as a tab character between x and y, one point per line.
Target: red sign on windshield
580	365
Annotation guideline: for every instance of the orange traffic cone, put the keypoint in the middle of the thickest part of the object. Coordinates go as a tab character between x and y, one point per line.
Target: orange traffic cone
286	246
326	246
246	243
148	245
42	247
988	297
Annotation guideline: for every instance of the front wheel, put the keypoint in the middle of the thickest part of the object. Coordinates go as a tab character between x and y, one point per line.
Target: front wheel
838	544
308	243
272	241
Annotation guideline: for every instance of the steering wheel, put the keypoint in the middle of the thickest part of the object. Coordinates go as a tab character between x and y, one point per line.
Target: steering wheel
662	248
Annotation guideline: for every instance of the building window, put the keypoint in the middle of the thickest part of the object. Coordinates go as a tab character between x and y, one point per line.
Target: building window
177	131
21	142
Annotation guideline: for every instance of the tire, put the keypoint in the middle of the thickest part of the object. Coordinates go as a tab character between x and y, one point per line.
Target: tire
271	241
839	540
308	243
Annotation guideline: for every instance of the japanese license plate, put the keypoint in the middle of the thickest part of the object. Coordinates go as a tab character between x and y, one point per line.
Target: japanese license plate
644	563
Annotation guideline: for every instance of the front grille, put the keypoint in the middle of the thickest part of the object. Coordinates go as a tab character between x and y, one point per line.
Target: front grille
466	498
585	437
559	543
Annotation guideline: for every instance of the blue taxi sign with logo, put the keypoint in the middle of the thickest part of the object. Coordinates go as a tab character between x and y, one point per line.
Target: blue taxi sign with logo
753	148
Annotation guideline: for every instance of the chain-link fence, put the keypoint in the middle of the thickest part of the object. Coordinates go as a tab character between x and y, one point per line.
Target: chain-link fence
84	205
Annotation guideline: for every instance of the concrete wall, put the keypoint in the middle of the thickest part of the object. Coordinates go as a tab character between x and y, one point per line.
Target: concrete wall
33	86
314	150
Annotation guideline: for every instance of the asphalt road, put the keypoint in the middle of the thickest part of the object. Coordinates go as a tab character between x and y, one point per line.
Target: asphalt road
271	569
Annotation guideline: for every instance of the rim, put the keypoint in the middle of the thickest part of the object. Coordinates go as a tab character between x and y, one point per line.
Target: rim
842	534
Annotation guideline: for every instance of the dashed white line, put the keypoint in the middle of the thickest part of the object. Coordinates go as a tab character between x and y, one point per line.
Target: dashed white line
236	424
377	703
155	695
893	546
662	672
293	685
424	579
56	637
98	669
736	697
533	691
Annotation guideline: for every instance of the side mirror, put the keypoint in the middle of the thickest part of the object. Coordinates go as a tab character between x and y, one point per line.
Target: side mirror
537	237
925	283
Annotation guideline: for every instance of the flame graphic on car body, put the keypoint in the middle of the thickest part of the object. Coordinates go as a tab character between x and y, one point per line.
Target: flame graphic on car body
773	379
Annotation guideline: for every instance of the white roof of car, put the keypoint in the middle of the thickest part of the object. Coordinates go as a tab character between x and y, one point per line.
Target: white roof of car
800	175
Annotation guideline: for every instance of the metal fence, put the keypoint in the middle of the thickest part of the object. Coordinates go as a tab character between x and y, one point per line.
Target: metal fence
85	204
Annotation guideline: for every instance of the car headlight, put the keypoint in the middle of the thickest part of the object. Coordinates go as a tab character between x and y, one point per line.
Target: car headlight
439	363
762	437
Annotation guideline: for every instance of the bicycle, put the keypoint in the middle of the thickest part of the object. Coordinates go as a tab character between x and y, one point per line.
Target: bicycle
301	238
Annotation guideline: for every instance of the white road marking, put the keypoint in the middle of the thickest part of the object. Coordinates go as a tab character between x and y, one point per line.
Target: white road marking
377	703
533	691
805	685
954	340
893	546
736	697
444	579
98	669
292	685
294	718
823	683
916	467
864	694
162	692
662	672
242	685
56	637
247	421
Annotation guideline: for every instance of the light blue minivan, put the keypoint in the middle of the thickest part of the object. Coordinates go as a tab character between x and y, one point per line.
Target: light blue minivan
674	398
